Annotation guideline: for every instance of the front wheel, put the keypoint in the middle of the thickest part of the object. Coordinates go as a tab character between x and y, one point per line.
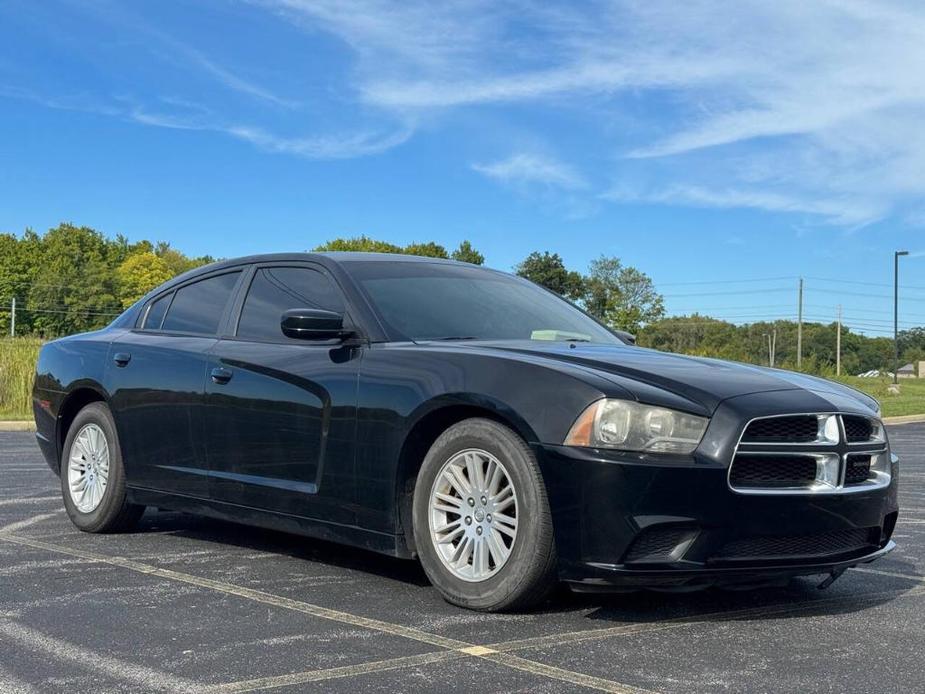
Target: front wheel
482	524
92	476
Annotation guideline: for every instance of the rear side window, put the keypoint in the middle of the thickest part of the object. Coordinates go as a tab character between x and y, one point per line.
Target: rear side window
198	307
276	290
156	313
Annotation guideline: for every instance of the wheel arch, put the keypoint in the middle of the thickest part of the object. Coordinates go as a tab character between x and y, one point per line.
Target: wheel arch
431	420
77	398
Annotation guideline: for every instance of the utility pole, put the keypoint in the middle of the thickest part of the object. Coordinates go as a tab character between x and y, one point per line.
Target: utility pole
13	317
896	313
838	345
770	357
773	347
800	326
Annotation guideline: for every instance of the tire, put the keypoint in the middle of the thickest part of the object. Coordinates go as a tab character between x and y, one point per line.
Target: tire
94	497
486	579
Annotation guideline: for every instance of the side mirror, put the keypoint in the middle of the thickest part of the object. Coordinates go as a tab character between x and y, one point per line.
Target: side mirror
313	324
628	338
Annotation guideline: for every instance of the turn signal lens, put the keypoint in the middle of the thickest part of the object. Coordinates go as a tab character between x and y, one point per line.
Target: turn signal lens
629	426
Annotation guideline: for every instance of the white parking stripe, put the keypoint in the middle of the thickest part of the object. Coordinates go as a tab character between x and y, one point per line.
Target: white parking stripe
149	678
10	684
19	525
29	500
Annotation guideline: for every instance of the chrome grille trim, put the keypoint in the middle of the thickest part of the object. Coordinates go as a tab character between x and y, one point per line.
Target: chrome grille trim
832	456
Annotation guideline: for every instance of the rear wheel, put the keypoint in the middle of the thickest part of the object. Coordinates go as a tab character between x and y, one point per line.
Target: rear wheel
92	475
482	524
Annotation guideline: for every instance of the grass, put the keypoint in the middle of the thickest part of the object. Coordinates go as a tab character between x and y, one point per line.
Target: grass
911	398
17	369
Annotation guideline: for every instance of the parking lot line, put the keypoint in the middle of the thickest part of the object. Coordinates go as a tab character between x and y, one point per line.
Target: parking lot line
563	675
19	525
461	647
124	671
500	653
29	500
894	574
248	593
706	618
337	672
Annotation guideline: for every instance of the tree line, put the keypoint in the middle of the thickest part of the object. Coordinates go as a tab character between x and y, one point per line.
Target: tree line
73	278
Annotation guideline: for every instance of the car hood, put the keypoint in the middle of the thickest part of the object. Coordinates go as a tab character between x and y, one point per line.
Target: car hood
706	382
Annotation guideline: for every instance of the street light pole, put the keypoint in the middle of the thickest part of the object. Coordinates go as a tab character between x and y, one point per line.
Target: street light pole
896	313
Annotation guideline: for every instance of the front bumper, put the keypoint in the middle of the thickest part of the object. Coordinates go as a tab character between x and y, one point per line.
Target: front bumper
603	502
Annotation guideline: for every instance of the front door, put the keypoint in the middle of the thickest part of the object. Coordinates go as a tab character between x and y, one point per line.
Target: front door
281	412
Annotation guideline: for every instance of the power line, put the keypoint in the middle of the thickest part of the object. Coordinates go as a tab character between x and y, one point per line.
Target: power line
870	284
755	279
731	292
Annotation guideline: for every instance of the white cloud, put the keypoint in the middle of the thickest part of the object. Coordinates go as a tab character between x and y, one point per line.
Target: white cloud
342	146
812	107
532	169
819	103
845	212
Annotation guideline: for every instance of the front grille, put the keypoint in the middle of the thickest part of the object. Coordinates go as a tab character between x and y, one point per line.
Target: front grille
857	469
660	544
809	453
770	471
857	429
820	545
792	429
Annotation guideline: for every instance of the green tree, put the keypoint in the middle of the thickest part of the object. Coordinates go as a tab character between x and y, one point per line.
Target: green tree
548	270
138	274
621	296
465	253
74	288
428	250
177	261
362	244
19	263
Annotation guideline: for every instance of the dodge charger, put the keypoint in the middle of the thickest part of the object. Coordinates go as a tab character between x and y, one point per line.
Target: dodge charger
467	418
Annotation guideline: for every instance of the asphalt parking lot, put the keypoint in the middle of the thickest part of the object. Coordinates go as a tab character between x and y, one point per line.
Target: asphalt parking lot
188	604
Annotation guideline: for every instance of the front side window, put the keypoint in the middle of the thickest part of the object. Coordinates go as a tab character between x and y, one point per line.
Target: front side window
198	307
432	301
276	290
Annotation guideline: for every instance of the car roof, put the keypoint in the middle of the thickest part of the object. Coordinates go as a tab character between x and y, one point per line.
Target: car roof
326	258
335	256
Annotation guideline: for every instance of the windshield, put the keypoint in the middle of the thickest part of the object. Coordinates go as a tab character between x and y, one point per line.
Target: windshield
436	301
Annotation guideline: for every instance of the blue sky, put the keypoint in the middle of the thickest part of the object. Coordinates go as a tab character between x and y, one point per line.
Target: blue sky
703	142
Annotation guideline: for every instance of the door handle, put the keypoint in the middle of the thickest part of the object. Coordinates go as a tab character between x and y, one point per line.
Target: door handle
121	358
220	376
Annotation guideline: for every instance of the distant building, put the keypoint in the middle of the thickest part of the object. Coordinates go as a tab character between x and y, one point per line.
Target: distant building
922	369
907	371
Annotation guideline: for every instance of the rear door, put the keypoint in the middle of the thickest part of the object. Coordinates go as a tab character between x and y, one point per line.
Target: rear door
157	380
281	413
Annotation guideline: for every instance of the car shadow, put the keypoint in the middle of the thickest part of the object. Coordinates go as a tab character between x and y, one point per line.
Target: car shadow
203	529
800	597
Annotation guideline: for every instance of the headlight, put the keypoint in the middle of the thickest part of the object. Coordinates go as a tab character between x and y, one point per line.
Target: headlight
630	426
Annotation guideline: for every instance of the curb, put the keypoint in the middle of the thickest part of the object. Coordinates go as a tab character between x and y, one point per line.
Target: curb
905	419
24	425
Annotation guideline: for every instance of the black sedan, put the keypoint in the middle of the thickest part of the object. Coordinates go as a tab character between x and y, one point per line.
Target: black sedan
439	410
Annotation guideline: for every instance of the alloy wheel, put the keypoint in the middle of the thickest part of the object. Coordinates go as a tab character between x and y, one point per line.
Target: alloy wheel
88	468
473	515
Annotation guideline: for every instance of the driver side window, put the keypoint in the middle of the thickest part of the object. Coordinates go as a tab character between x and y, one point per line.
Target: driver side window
275	290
